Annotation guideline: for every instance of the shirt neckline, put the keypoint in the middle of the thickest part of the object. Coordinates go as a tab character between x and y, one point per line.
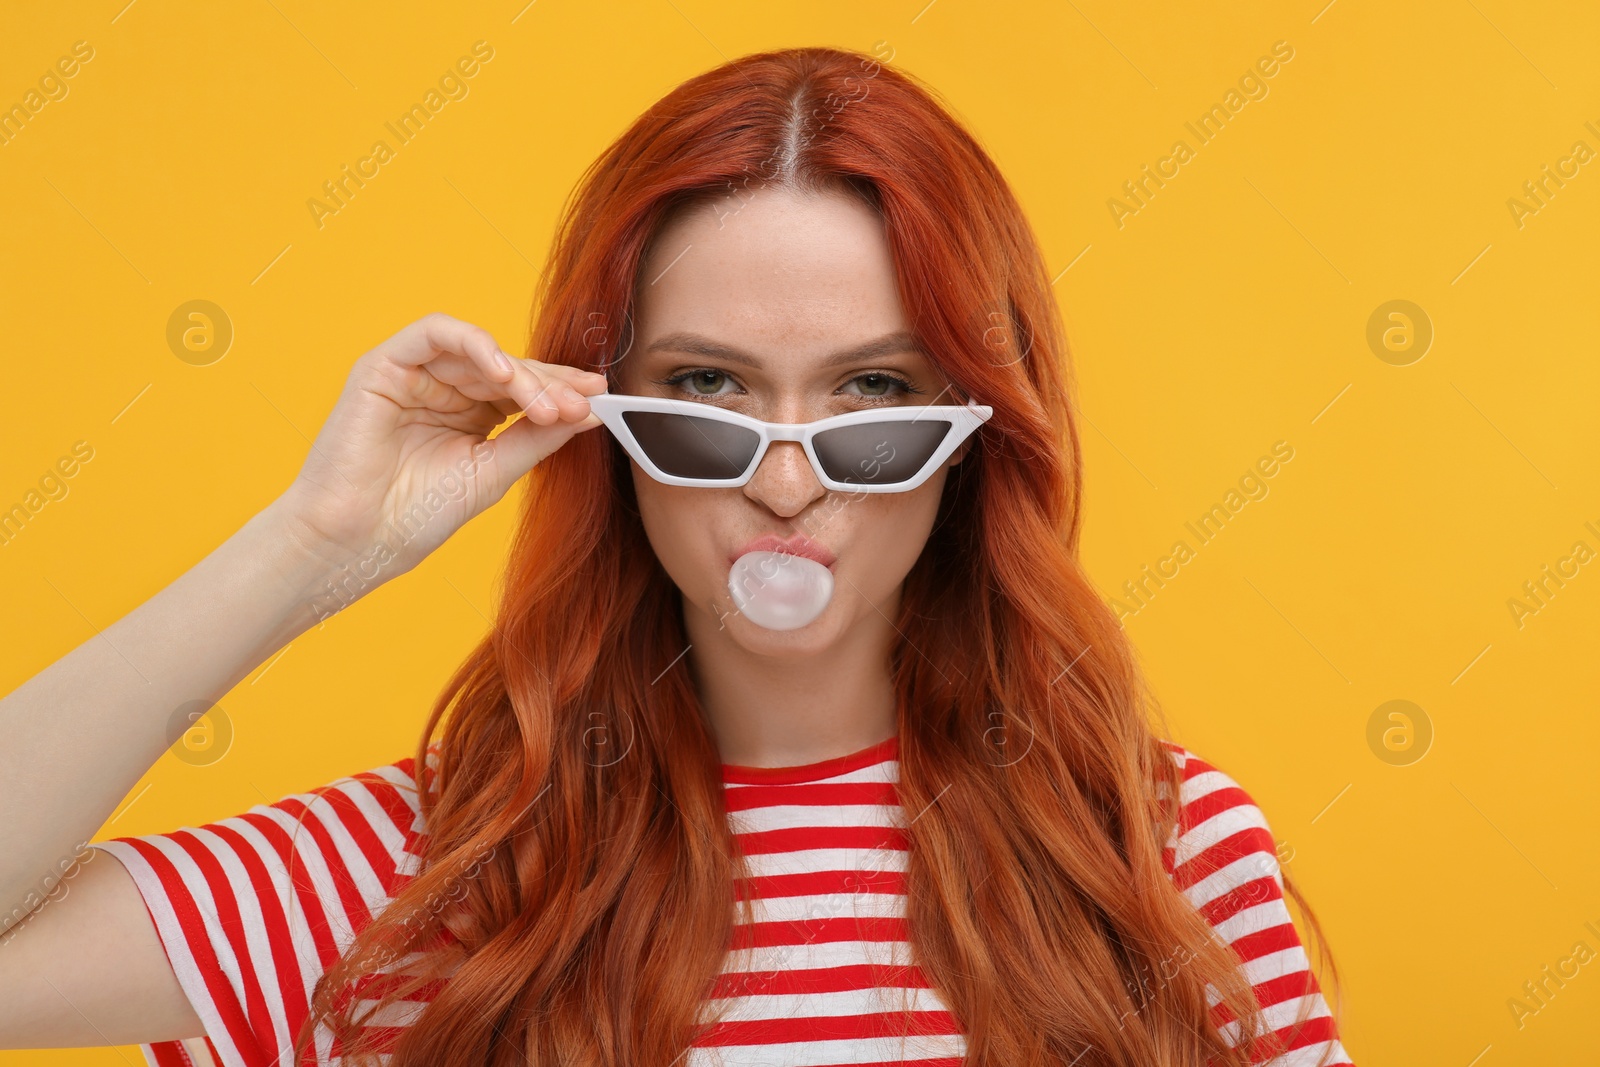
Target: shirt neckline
810	772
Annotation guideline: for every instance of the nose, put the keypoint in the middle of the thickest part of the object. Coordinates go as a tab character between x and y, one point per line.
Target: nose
784	481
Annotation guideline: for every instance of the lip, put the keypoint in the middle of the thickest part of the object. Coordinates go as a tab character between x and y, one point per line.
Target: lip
795	545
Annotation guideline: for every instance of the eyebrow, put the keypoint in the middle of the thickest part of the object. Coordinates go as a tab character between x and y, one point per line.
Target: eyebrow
698	345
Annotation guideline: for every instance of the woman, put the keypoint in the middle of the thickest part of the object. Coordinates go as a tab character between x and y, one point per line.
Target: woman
939	791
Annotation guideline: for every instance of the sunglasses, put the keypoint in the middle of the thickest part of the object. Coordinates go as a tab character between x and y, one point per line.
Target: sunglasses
684	442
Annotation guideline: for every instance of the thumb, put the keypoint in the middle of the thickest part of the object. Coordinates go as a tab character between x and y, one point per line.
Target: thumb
524	444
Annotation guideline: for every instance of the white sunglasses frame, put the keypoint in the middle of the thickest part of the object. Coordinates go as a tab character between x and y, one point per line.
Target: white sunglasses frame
964	420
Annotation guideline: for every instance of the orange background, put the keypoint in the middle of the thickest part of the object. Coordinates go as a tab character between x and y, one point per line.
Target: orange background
1230	312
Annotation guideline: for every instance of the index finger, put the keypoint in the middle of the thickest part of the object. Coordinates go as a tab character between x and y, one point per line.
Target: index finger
438	333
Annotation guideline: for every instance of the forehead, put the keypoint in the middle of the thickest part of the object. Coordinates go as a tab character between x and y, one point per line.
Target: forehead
770	267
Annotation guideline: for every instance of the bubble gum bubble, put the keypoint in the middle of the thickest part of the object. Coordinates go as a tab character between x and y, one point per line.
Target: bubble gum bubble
779	591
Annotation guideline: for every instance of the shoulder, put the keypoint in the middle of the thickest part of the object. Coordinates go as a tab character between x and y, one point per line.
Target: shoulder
386	796
1222	857
252	908
1222	843
354	840
378	810
384	799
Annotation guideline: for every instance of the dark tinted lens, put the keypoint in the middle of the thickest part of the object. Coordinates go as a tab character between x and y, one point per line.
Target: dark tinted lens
686	446
879	453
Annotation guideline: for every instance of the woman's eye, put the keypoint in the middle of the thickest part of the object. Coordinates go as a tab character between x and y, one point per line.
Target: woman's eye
698	378
880	384
708	381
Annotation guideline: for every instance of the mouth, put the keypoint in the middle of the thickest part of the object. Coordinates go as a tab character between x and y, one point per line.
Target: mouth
795	545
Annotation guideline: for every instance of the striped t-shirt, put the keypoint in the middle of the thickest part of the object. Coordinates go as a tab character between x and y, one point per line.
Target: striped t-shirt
823	977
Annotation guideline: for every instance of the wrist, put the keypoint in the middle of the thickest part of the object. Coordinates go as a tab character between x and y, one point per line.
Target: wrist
315	573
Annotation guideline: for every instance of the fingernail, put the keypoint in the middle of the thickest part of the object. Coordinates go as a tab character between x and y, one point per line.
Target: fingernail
505	361
571	393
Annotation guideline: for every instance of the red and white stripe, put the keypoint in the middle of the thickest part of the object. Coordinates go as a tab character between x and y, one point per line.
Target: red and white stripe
824	976
247	938
1224	860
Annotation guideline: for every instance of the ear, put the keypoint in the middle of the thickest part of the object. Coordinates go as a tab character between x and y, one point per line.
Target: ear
960	453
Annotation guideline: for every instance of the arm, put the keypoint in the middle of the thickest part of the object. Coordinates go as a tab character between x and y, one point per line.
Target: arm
80	963
87	968
243	915
410	429
83	731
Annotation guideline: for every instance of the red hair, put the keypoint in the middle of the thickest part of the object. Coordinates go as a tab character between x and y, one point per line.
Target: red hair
576	828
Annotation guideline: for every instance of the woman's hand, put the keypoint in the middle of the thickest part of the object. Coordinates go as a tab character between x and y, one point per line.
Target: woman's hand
403	460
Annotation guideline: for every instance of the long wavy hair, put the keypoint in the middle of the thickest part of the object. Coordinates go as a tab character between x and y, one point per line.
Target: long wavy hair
575	888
